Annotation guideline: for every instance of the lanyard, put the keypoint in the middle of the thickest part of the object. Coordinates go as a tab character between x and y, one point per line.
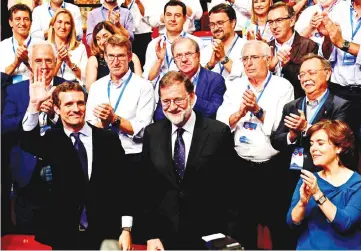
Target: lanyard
131	5
323	100
121	93
62	68
309	2
228	52
263	29
331	7
62	6
168	59
354	32
264	88
27	44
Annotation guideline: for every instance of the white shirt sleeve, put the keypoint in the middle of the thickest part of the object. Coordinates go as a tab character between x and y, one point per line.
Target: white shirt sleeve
243	4
78	22
127	221
92	102
30	121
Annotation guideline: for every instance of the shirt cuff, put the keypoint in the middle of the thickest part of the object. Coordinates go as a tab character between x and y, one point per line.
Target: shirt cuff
289	141
127	221
30	121
55	119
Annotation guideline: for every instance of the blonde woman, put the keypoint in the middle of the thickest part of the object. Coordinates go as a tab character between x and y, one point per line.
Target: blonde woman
72	56
257	27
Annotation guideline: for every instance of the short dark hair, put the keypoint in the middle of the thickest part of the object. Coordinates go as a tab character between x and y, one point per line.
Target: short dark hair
120	41
325	63
106	25
176	3
340	135
67	87
22	7
225	8
175	77
289	9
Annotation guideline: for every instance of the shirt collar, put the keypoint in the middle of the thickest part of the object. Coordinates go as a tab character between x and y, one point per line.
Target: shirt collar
289	42
263	83
51	84
196	74
122	80
62	5
182	34
104	8
85	131
188	126
315	102
25	41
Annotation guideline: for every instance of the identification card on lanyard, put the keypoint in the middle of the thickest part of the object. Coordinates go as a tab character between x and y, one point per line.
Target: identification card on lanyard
250	128
349	59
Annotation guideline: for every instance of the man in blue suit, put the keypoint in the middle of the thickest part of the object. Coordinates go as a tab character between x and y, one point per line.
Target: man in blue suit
42	60
209	86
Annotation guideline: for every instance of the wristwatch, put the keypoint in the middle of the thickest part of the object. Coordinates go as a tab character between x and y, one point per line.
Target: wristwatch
225	60
321	200
259	113
117	121
73	67
209	67
129	229
345	45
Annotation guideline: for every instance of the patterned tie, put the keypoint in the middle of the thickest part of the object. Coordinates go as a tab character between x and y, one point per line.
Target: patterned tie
79	147
179	153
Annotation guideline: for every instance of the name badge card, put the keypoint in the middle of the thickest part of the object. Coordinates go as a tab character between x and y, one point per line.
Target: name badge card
297	159
250	127
17	78
348	59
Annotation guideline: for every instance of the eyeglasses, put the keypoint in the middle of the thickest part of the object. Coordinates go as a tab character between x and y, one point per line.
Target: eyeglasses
179	57
112	57
218	24
40	61
177	101
311	73
278	21
253	58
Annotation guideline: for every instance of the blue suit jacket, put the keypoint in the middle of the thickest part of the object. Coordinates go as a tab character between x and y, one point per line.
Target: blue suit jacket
210	90
15	105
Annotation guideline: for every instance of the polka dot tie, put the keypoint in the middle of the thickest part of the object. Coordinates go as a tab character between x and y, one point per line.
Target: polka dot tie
179	153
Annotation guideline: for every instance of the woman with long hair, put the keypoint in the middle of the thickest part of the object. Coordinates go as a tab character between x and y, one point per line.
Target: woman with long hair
97	67
326	205
257	27
72	56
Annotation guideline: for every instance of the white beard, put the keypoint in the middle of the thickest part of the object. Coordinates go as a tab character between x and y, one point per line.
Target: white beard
181	118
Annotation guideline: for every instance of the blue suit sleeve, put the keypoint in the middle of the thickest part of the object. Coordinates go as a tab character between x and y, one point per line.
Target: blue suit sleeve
349	217
129	26
12	116
210	107
295	200
158	113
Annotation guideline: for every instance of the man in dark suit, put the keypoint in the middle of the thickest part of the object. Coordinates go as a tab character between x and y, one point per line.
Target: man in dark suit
42	59
85	205
297	116
187	160
209	86
288	45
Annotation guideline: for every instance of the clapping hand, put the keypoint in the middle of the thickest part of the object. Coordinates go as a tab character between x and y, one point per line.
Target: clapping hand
161	49
154	244
63	54
114	17
310	180
333	30
21	55
297	123
105	113
250	101
218	49
305	194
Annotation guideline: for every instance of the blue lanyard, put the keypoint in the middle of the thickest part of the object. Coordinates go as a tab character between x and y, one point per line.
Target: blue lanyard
229	52
131	5
62	69
62	6
331	7
263	29
195	79
323	100
27	44
354	32
170	60
264	88
121	93
309	2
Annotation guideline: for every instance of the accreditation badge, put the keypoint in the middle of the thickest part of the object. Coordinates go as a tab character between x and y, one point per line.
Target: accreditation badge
297	159
247	133
348	59
17	78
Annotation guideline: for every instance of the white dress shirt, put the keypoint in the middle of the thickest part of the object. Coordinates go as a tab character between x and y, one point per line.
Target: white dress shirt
136	105
242	8
187	135
30	121
151	58
345	75
278	68
188	26
43	13
235	54
277	93
79	57
8	51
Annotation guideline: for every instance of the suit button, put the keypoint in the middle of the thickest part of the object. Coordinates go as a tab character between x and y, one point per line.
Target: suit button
182	195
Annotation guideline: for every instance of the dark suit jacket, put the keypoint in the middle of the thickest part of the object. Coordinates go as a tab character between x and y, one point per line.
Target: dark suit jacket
301	46
181	213
15	105
333	108
210	90
59	221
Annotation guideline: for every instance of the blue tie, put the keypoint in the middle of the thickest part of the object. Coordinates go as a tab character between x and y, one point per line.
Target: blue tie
83	157
179	153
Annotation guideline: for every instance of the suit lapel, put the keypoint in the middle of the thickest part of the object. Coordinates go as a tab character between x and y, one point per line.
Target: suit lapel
325	109
202	81
296	45
199	140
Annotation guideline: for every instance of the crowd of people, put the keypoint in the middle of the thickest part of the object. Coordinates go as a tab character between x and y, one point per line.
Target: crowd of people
165	140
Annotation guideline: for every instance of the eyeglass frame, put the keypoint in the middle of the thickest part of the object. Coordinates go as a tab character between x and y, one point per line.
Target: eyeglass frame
118	56
218	24
313	73
254	58
188	55
278	21
177	101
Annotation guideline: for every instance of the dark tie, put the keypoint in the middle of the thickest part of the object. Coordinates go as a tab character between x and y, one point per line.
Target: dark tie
179	153
79	147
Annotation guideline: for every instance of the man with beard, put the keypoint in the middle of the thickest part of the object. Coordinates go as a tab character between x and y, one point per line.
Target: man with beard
222	56
209	86
111	11
186	161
